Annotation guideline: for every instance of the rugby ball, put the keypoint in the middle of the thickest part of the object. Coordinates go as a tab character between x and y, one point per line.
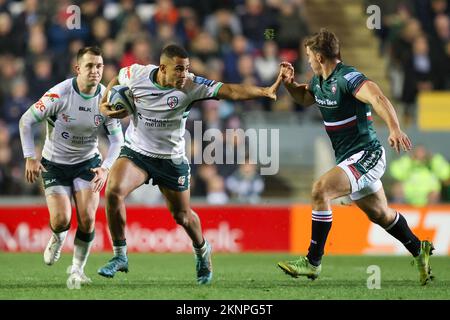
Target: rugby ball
120	97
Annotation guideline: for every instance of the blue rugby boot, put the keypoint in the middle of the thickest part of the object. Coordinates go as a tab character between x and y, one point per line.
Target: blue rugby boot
203	263
117	263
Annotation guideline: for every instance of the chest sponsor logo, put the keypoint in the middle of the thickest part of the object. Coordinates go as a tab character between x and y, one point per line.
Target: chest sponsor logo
172	102
326	102
98	119
81	108
154	122
65	135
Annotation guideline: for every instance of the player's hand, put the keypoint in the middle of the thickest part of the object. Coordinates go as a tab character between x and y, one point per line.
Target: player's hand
272	90
101	174
398	140
106	109
33	169
287	72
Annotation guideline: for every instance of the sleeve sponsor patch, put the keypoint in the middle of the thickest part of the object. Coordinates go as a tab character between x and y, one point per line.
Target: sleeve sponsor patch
206	82
353	77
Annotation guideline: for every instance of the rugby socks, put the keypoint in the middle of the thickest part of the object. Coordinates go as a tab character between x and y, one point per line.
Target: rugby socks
120	248
321	225
60	235
200	250
82	246
400	230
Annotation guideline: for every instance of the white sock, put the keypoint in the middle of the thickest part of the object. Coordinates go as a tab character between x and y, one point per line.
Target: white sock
81	251
201	251
61	236
120	251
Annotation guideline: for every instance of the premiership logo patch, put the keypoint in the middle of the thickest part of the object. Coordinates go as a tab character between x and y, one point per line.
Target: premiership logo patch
98	119
172	102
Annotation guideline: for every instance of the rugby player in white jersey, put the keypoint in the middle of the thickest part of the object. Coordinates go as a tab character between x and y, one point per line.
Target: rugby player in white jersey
155	148
71	164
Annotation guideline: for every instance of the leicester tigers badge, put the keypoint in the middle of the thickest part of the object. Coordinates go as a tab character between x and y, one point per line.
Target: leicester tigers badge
98	119
333	88
172	102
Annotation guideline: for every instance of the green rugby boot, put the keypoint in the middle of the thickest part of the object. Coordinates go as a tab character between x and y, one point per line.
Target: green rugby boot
300	267
423	262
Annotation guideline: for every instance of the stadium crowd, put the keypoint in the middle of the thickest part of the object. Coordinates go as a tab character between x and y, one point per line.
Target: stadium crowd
228	40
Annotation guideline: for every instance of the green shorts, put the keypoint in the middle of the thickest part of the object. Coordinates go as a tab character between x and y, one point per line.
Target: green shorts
64	174
174	175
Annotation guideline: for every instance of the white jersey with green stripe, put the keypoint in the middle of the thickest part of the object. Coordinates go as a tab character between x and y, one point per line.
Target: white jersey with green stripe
73	121
161	112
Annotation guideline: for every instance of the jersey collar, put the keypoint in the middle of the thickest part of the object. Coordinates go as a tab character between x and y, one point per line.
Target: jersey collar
152	77
336	68
84	96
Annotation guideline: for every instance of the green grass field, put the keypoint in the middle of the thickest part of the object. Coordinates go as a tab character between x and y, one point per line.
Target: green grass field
236	276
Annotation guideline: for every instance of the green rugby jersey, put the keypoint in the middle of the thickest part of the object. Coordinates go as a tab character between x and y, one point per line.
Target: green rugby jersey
347	120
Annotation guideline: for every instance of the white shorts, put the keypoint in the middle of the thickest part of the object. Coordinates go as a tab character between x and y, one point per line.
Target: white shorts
364	170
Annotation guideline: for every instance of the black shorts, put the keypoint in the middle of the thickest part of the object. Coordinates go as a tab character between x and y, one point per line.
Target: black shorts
174	175
63	174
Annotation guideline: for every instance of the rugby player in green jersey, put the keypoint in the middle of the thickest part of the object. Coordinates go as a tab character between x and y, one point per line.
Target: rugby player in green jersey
344	96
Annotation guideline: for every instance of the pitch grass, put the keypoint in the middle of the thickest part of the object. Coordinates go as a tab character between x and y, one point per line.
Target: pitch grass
236	276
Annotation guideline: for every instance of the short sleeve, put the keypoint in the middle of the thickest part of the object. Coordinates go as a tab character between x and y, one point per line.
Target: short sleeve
352	81
203	88
126	73
47	105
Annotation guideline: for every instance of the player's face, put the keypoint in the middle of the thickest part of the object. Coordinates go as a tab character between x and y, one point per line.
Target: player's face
313	61
90	69
176	72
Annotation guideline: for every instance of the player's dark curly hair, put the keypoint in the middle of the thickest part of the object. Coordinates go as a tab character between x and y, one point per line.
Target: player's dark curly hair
173	50
324	42
96	51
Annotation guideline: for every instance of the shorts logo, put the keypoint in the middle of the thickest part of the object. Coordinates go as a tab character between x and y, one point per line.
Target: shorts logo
172	102
181	180
98	119
47	182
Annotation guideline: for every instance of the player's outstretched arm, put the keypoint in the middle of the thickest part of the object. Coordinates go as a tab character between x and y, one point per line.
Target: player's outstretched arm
243	92
371	93
299	92
105	107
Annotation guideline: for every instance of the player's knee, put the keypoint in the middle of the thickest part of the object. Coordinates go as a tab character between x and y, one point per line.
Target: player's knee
114	194
60	223
86	223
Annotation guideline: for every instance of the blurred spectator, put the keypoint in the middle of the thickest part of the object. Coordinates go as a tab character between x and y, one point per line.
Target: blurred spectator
9	40
255	21
16	105
245	184
41	78
419	177
291	27
267	65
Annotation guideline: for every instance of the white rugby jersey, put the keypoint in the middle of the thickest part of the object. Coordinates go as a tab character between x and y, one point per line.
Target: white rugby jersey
161	112
73	122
